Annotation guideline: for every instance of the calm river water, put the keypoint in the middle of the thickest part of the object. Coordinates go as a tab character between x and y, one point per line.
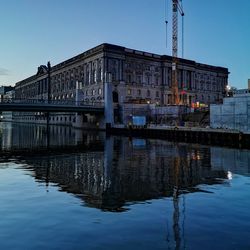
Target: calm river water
83	190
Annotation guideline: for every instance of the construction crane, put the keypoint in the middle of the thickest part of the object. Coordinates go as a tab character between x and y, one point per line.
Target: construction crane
176	9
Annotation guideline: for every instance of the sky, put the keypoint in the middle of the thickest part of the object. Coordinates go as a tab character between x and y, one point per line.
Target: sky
33	32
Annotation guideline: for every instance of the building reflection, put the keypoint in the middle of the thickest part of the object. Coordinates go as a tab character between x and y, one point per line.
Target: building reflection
20	137
126	172
235	161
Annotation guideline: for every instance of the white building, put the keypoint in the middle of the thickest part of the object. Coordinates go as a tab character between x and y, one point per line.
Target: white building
8	115
234	113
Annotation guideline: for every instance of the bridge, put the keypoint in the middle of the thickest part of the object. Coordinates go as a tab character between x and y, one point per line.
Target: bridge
41	105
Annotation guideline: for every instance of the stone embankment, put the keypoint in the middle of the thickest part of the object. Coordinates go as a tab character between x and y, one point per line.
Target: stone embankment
220	137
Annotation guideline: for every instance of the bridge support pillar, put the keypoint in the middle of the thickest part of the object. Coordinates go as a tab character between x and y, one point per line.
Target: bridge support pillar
108	101
78	121
79	94
78	98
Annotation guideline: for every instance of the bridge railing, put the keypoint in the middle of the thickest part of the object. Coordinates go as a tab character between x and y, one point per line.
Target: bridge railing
46	102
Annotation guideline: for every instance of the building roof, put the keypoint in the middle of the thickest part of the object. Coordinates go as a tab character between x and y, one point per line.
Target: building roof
106	47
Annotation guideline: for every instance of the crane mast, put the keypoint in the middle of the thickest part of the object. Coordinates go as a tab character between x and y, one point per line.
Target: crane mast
176	7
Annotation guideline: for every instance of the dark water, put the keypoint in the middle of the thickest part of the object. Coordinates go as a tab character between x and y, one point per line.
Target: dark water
119	193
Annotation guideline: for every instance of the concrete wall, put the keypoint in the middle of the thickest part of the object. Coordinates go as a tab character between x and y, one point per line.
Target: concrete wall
232	114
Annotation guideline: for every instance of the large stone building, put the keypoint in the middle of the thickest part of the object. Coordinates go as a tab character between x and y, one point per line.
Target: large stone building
137	77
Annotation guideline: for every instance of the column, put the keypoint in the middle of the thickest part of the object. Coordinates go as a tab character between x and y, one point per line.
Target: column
108	101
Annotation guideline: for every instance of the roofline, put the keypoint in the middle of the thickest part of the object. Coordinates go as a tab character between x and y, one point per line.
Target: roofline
106	47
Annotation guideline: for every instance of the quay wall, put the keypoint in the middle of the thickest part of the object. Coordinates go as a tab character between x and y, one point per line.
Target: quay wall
199	135
234	113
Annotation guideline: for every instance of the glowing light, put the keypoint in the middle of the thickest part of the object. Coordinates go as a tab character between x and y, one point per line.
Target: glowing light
229	175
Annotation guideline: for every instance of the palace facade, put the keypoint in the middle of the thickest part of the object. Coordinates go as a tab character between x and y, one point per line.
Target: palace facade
137	77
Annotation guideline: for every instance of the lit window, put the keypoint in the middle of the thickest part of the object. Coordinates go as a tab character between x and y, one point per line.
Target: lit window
99	91
129	91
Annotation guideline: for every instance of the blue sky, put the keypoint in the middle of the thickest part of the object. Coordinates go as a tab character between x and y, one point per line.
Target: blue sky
217	32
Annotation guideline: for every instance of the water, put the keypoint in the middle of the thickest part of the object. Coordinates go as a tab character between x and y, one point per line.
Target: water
119	193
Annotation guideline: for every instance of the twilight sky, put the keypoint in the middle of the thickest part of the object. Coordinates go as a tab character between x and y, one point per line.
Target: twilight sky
33	32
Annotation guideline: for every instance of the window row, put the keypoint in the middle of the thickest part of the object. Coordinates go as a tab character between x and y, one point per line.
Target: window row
138	92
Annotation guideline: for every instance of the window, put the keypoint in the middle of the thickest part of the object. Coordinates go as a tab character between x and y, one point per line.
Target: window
138	92
138	79
95	76
99	91
129	92
157	93
148	79
88	77
156	80
148	93
129	78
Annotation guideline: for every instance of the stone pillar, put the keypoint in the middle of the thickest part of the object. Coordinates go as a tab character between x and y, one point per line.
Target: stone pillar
79	94
192	83
108	101
78	99
184	79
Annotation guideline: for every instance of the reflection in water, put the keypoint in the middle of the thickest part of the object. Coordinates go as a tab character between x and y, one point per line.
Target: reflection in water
127	171
20	137
231	160
124	173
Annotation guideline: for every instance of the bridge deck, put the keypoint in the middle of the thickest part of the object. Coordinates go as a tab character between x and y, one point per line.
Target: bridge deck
52	106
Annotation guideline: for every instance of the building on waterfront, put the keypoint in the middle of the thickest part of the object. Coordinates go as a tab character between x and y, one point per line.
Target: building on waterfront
6	94
137	78
4	90
233	113
7	97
